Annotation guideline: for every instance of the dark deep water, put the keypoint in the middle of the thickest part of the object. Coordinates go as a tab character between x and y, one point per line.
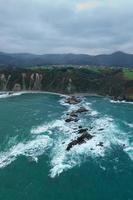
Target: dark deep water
34	164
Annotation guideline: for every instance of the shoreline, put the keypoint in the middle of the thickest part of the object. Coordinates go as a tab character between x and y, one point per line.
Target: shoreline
55	93
12	93
86	94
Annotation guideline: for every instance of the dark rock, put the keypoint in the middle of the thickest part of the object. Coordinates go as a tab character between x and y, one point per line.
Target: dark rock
123	146
10	93
81	110
80	140
82	130
100	129
71	119
73	100
73	114
100	144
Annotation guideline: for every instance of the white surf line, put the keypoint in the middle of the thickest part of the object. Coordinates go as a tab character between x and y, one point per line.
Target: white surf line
121	102
8	94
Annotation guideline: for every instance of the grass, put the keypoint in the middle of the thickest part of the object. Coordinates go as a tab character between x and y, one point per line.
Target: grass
128	74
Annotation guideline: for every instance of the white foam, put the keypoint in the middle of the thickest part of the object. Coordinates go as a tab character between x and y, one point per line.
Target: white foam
60	124
61	160
129	150
129	124
8	94
125	102
12	94
33	148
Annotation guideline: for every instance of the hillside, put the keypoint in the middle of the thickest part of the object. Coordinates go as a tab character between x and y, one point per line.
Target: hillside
117	83
117	59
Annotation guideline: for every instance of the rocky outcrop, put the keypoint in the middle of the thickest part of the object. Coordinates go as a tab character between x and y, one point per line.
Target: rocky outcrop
80	140
24	81
82	110
82	130
73	100
71	119
70	80
37	82
4	81
17	87
100	144
21	81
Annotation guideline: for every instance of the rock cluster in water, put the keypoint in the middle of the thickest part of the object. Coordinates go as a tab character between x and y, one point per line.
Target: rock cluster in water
73	117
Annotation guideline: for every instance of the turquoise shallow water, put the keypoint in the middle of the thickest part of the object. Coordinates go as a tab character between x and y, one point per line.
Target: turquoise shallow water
34	164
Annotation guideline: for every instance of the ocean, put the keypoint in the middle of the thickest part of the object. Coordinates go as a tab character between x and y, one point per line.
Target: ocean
34	163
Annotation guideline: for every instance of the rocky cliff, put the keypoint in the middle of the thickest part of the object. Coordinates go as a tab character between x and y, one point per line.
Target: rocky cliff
68	80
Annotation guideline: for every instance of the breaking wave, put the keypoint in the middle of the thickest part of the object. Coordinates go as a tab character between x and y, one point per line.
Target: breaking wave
57	134
33	149
126	102
12	94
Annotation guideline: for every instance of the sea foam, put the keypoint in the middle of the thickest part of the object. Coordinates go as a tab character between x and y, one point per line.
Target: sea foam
33	148
56	135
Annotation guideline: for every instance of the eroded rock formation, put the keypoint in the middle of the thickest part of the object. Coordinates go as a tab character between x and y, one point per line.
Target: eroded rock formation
4	81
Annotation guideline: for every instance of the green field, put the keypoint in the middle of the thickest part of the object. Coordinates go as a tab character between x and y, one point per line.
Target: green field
128	74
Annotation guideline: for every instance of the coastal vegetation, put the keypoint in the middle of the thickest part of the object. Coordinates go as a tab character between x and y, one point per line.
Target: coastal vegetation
114	82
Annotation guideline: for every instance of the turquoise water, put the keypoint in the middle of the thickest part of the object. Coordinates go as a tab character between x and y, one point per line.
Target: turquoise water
34	164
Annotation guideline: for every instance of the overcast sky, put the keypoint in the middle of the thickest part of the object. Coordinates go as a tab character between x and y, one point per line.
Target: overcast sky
66	26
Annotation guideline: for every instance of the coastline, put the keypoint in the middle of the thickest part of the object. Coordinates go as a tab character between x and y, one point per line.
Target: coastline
86	94
16	93
55	93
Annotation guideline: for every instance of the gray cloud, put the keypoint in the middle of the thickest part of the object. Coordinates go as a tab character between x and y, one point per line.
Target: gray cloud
64	26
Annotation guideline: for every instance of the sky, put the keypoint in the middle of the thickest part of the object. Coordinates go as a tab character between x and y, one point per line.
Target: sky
66	26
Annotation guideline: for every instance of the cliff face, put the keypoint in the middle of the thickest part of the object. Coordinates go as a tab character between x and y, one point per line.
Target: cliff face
68	80
22	82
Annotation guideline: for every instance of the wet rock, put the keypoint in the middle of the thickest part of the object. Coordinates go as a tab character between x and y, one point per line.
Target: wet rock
73	114
123	146
80	140
10	93
100	129
71	119
81	110
73	100
17	87
100	144
82	130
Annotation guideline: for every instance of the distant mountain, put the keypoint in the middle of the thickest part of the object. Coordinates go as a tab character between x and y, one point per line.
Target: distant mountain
118	59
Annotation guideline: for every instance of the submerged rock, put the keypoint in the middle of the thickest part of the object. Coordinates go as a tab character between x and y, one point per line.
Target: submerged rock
80	140
100	144
100	129
73	114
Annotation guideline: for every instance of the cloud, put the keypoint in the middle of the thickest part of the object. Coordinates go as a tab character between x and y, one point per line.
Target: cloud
86	5
78	26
